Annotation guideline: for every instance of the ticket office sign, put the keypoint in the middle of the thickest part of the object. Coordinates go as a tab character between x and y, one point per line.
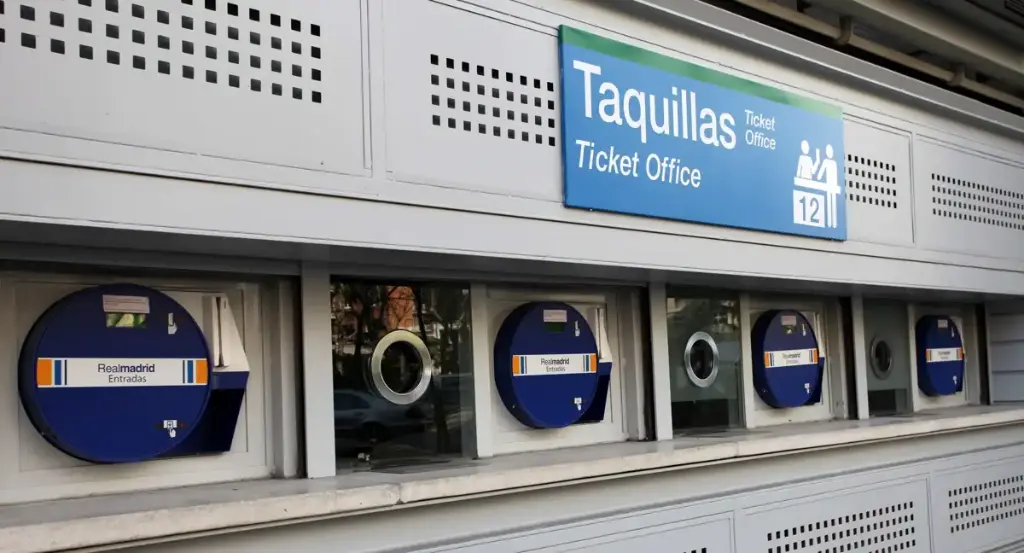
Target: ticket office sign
650	135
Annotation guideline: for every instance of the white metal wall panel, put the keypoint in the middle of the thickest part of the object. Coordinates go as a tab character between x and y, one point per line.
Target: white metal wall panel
675	530
893	518
1006	352
472	102
978	506
90	111
966	201
254	80
880	498
878	187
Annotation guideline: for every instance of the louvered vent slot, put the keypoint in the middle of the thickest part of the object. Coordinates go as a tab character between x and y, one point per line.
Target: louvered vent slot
981	504
880	530
871	182
488	101
189	43
978	203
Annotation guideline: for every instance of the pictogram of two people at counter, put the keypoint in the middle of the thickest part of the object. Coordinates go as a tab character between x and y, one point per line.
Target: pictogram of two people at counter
820	174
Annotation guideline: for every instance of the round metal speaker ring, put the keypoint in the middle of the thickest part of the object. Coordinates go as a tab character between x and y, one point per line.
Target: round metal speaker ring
701	351
881	358
419	348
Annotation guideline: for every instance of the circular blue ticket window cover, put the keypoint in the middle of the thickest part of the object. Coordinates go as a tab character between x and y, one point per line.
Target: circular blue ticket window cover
787	364
940	356
115	374
546	365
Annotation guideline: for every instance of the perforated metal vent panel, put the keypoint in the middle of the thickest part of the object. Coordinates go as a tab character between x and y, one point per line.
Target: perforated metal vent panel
673	530
872	182
985	503
878	185
974	202
966	202
245	80
979	505
875	521
491	102
472	102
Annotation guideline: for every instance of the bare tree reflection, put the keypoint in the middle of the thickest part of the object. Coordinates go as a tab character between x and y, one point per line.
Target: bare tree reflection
362	313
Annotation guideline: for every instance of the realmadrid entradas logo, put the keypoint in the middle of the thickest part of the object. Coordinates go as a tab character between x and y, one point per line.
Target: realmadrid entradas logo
816	194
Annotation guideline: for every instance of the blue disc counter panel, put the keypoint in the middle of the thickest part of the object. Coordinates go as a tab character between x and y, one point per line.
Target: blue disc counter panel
546	367
122	373
940	356
788	367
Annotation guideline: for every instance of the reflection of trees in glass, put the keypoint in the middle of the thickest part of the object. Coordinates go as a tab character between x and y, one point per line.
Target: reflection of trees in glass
363	312
720	317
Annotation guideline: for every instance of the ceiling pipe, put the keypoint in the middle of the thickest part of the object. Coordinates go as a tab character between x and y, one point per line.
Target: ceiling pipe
939	33
844	36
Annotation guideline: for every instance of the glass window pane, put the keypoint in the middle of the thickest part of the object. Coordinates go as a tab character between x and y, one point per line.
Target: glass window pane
705	361
888	354
402	372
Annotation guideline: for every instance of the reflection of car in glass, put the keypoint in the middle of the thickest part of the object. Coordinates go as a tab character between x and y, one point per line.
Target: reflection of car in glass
362	419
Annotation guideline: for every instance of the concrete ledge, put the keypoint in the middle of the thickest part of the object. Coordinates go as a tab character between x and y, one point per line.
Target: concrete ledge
96	522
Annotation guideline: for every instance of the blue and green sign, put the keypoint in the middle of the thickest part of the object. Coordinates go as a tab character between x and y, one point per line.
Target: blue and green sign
650	135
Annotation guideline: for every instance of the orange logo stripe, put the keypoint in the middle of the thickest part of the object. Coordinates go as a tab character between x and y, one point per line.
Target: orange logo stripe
44	372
